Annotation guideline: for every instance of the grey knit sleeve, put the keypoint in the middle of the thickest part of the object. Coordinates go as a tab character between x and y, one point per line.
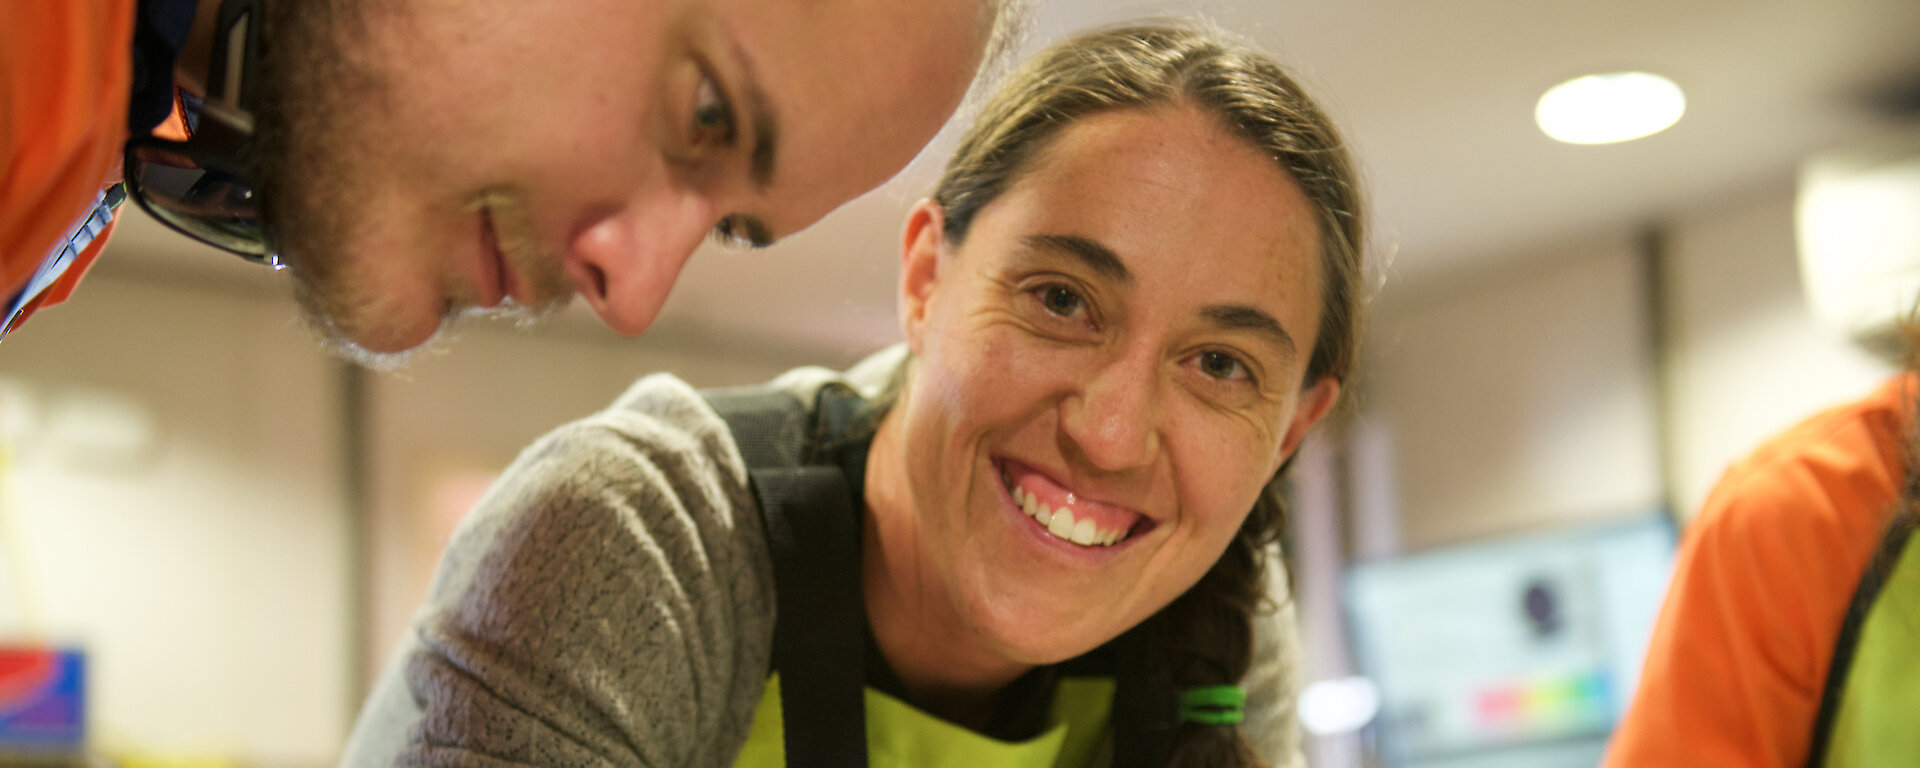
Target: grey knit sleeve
609	603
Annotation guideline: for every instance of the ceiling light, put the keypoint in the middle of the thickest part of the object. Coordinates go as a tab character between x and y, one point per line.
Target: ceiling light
1603	109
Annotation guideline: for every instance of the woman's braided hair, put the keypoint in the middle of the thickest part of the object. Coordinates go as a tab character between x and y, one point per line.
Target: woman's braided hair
1205	636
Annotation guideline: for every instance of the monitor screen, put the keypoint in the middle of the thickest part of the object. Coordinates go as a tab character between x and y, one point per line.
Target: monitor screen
1522	649
42	700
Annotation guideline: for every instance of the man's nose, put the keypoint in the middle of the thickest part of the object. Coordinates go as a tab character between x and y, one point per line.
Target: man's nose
625	263
1112	420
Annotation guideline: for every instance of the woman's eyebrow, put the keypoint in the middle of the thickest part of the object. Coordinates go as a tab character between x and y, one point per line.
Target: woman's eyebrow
1095	256
1240	317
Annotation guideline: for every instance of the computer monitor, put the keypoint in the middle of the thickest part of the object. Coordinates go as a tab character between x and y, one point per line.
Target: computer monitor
42	701
1520	651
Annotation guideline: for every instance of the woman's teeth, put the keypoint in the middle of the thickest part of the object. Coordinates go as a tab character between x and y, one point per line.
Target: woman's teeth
1061	524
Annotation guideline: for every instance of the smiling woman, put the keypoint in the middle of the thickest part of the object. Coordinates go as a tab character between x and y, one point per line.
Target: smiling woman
1134	293
1131	297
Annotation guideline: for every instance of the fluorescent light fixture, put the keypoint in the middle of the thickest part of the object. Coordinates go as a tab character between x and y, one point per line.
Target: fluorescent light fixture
1603	109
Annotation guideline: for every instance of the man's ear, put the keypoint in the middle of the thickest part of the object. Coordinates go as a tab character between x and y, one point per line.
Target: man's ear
1315	402
920	246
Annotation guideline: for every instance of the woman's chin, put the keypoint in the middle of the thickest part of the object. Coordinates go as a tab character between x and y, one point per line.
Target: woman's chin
1040	634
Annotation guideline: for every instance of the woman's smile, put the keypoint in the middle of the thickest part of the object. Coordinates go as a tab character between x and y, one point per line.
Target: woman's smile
1066	516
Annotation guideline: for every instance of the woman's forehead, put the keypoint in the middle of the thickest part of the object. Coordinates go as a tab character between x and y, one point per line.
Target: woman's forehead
1177	199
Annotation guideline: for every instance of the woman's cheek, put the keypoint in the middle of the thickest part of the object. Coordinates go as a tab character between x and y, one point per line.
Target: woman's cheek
1222	478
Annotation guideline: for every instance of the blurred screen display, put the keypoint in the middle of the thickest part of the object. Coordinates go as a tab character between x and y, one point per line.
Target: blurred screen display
1526	643
42	700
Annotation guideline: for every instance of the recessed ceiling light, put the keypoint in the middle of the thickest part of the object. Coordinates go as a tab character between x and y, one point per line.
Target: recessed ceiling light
1603	109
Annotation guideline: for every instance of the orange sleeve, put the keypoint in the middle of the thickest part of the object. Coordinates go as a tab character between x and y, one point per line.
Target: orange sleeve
1739	656
64	79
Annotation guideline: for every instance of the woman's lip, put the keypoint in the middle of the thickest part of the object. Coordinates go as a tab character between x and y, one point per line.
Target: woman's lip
1141	524
492	286
1109	514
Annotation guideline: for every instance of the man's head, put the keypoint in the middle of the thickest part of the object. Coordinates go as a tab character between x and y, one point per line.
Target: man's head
424	157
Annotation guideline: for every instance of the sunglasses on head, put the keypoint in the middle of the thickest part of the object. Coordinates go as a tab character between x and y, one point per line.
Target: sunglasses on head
200	187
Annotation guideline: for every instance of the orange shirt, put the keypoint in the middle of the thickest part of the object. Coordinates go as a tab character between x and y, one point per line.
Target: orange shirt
65	69
1739	657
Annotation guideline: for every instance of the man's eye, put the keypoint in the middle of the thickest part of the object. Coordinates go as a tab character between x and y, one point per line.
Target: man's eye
712	116
1061	300
740	233
726	234
1222	366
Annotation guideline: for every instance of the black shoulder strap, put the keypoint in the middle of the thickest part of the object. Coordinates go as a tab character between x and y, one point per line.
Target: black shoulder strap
819	638
1144	715
1878	570
813	533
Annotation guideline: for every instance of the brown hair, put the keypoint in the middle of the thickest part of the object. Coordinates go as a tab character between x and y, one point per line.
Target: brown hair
1205	636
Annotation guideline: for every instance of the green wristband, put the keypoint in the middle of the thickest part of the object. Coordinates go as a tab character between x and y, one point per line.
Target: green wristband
1213	705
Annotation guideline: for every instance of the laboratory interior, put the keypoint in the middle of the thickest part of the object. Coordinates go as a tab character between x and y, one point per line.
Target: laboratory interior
214	533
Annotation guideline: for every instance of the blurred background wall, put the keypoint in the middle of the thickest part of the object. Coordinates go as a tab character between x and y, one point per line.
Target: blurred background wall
235	527
174	508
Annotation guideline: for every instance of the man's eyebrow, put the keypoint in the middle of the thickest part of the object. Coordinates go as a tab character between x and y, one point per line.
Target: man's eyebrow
766	125
1240	317
1097	257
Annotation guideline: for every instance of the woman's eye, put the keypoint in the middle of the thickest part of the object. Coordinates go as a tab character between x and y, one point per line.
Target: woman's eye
1222	366
712	116
1061	300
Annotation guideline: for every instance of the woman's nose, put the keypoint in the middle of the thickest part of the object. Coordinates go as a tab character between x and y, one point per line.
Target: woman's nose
625	264
1112	419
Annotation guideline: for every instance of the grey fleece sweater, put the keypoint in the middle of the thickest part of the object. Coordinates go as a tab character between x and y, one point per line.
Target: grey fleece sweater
610	603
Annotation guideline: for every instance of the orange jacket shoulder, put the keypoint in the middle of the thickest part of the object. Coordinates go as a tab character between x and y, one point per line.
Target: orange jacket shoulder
1735	668
64	79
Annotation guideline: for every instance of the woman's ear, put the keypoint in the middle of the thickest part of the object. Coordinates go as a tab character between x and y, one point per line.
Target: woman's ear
920	246
1315	402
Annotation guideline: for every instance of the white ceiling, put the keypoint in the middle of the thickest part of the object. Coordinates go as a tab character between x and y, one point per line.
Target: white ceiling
1437	97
